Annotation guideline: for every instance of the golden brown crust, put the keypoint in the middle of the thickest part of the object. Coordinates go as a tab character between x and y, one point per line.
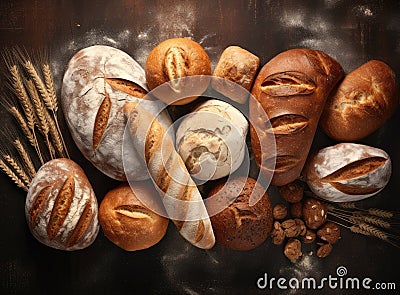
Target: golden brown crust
127	222
173	59
292	89
237	65
241	226
363	101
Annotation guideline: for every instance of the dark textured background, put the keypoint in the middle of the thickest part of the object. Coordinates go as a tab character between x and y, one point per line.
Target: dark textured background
351	31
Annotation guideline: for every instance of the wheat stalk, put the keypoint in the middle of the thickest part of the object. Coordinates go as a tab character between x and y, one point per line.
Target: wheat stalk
18	170
356	229
25	157
380	213
51	99
41	88
24	126
374	231
7	170
377	221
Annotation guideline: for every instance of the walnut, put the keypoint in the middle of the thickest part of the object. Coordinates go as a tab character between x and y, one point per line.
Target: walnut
296	210
279	211
314	213
309	237
301	226
292	192
291	228
324	250
329	232
292	249
277	234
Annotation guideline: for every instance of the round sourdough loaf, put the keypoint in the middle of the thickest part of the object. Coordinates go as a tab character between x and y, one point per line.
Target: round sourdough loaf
61	207
99	80
127	222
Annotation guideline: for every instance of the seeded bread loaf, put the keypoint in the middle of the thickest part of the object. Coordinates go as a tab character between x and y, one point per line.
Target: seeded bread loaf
363	101
61	207
292	89
98	81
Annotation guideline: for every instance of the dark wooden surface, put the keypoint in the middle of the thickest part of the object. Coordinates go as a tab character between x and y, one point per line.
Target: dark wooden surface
351	31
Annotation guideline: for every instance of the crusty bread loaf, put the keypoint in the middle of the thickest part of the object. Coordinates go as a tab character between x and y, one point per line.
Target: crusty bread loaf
212	140
237	65
61	208
127	222
181	198
240	226
363	101
172	60
292	89
347	172
98	81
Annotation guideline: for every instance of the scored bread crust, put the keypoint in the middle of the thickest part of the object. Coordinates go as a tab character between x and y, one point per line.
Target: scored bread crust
179	193
61	208
292	89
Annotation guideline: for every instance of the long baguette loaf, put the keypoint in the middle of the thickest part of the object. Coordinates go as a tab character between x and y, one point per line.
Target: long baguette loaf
180	196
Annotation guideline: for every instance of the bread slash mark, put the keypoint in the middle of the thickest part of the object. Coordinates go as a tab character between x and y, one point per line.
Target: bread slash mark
38	204
127	87
101	121
287	124
355	169
82	225
132	211
288	84
61	207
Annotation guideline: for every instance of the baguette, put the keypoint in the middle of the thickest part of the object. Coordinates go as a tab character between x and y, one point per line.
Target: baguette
180	196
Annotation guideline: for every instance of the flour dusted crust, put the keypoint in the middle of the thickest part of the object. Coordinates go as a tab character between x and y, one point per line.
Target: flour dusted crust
93	93
60	191
348	172
212	140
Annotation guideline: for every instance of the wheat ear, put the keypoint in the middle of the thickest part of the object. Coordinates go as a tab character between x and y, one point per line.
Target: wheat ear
18	169
25	157
51	98
41	88
7	170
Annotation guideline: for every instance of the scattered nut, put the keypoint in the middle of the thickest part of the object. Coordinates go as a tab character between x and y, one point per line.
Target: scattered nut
279	211
277	234
293	249
296	210
329	232
324	250
291	228
309	237
314	213
292	192
301	226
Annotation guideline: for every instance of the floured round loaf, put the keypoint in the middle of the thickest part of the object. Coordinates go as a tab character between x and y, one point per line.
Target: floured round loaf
212	140
348	172
99	80
61	208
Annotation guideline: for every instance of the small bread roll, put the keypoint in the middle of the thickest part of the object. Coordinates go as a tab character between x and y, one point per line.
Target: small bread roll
212	140
363	101
127	222
61	207
237	65
172	60
240	226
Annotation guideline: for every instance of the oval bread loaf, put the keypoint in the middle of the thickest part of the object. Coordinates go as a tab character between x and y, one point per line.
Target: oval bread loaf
348	172
363	101
292	89
98	81
61	208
